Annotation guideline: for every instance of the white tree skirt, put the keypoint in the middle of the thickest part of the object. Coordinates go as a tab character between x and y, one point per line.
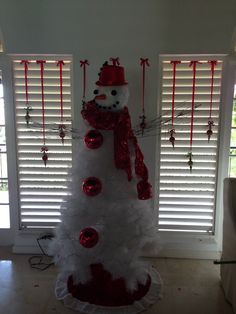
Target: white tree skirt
150	298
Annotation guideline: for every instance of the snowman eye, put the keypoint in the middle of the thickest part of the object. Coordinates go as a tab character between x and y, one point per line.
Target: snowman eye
113	92
95	91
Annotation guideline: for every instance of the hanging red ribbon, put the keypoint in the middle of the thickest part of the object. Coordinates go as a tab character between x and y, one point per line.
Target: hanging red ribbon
115	61
83	65
61	127
26	63
60	63
194	65
44	149
172	131
143	62
209	132
28	108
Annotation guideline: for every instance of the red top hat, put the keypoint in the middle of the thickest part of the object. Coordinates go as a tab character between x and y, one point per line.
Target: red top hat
112	75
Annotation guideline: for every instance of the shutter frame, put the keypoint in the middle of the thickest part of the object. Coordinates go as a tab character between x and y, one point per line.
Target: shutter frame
42	189
181	175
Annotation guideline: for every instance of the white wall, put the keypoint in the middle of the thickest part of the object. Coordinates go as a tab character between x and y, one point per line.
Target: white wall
97	30
130	29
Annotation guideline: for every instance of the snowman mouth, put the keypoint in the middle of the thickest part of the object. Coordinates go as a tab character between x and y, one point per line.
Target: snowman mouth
106	107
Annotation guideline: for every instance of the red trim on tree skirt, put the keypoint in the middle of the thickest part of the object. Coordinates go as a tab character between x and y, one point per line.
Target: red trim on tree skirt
105	291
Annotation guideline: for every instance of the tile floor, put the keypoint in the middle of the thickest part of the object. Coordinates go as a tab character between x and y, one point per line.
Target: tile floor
190	287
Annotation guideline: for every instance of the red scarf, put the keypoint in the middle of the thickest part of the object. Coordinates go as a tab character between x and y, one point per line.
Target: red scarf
120	123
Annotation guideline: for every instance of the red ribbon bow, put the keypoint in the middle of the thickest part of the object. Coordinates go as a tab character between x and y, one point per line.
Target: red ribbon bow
144	61
115	61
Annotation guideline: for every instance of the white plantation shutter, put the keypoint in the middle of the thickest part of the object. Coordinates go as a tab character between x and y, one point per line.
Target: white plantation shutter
41	189
187	199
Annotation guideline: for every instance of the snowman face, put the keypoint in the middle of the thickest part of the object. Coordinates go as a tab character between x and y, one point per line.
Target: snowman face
111	98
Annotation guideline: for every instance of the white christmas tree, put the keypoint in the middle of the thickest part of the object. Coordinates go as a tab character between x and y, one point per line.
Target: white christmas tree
108	217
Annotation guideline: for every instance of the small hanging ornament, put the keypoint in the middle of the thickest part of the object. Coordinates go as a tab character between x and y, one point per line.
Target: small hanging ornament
190	160
83	64
93	139
28	108
209	132
27	115
172	130
88	237
143	62
62	133
44	150
92	186
61	127
172	138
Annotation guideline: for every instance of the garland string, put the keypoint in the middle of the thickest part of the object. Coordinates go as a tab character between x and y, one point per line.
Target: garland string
62	127
172	131
143	62
44	148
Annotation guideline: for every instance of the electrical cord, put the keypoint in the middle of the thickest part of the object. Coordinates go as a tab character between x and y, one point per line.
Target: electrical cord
37	261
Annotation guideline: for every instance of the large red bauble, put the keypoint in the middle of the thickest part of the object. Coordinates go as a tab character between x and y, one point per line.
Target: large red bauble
92	186
88	237
93	139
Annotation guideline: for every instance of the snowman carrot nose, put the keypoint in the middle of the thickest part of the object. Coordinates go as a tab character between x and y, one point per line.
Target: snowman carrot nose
101	97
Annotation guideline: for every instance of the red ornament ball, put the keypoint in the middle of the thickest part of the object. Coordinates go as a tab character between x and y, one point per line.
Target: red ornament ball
93	139
92	186
88	237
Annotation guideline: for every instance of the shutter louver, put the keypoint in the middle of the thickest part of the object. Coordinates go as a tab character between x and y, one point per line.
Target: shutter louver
42	188
187	199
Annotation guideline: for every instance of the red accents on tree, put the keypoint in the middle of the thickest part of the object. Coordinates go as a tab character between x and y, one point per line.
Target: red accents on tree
120	123
209	132
144	189
88	237
92	186
172	131
93	139
143	62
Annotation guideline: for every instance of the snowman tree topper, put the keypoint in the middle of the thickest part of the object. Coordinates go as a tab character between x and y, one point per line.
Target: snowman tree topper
108	111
